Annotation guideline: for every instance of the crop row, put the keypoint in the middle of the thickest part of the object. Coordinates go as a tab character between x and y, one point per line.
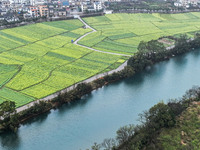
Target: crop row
41	49
71	73
15	37
116	47
130	29
19	98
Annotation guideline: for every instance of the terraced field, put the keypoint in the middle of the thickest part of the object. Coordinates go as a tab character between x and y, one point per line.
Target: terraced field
121	33
39	59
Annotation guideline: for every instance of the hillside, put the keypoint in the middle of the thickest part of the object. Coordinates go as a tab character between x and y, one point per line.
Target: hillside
186	133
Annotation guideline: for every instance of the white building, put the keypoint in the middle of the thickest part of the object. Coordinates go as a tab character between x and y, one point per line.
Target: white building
108	11
97	6
194	2
177	4
19	1
186	3
84	6
37	2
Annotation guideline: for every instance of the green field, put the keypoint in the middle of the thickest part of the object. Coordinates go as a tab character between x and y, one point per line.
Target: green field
39	59
121	33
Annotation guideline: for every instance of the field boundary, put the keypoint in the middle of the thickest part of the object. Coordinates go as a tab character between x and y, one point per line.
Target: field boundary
93	30
50	97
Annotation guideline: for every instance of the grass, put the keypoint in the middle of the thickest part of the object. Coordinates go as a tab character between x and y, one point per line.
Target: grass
6	73
19	98
186	134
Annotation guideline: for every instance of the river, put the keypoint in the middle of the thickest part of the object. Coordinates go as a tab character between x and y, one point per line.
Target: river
98	115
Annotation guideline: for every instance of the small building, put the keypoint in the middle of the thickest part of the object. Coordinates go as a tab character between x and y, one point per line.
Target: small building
5	4
12	19
60	12
194	2
43	10
177	4
97	5
65	4
1	18
51	10
3	12
34	12
27	15
84	6
108	11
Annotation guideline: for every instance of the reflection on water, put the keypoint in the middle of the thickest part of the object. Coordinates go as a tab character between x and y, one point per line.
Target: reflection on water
10	140
96	116
39	119
79	103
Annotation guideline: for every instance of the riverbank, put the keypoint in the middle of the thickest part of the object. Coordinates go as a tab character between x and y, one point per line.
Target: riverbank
77	91
67	95
102	112
53	96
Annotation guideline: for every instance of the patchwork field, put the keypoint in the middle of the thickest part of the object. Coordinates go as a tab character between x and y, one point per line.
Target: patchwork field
121	33
39	59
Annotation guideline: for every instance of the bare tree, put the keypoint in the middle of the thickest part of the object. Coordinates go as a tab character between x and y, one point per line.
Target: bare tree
96	146
108	144
125	133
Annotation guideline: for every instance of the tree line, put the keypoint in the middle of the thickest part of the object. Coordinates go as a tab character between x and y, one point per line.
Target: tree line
153	51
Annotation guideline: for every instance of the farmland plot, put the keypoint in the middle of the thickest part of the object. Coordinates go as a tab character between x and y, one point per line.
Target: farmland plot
130	29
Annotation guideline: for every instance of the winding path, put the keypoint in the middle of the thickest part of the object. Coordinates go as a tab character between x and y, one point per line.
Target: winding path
93	30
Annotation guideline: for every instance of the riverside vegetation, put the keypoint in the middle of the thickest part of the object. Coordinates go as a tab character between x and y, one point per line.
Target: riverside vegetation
174	125
148	54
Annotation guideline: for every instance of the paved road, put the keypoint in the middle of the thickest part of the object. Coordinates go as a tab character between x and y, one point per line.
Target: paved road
93	30
87	26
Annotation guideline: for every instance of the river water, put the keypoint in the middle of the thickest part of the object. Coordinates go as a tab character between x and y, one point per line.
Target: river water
98	115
